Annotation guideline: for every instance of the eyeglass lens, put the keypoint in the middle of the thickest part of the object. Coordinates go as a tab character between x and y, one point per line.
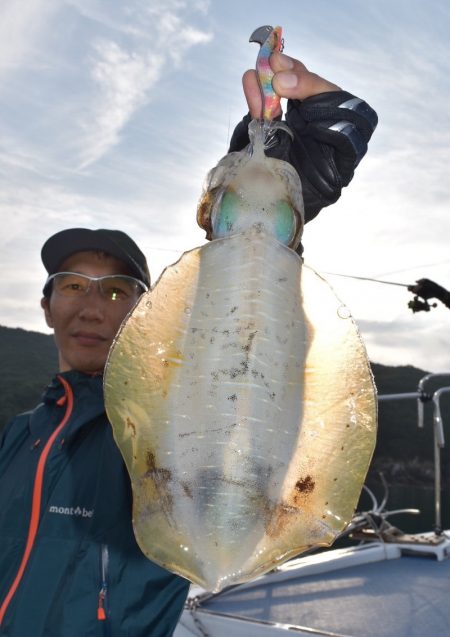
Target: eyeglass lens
112	287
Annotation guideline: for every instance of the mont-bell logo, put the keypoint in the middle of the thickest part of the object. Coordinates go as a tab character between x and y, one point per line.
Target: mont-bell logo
79	512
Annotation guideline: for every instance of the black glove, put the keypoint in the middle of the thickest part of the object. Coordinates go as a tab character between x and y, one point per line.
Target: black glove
430	290
331	133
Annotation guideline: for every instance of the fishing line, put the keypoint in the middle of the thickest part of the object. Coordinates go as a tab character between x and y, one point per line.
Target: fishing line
376	280
366	278
417	267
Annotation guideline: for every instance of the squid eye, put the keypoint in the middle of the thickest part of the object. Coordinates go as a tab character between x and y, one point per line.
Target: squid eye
284	222
225	216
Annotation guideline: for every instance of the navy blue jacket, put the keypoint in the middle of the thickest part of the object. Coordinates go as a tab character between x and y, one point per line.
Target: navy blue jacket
69	563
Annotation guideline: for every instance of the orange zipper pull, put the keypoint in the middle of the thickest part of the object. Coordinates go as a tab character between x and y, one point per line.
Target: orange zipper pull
101	615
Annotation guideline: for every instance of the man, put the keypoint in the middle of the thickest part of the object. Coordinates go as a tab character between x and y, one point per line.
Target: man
69	563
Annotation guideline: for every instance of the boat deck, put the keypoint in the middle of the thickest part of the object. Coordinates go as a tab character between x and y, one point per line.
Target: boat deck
376	590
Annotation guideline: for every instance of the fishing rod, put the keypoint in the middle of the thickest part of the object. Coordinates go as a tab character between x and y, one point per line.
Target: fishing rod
419	302
366	278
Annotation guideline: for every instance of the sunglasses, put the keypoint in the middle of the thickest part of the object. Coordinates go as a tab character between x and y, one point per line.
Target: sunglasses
115	287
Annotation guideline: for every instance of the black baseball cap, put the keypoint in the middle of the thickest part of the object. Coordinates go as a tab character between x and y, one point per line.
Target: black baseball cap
116	243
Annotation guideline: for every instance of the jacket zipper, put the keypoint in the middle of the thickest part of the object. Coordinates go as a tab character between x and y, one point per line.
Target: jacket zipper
37	497
102	607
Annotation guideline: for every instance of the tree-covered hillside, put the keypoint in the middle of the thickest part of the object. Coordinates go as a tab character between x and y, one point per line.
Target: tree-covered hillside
27	362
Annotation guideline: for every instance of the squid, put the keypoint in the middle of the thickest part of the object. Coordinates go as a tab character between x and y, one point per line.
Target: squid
239	389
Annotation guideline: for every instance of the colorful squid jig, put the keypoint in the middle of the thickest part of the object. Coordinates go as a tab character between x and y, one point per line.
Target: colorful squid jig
239	389
270	40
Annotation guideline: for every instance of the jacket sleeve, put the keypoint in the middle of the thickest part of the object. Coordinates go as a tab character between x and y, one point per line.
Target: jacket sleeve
331	132
428	289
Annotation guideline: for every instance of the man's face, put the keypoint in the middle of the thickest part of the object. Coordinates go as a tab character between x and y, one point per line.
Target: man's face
86	326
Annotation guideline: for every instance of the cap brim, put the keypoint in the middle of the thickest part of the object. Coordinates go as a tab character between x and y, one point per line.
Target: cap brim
67	242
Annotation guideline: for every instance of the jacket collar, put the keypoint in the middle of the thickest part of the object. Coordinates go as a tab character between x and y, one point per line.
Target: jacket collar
88	403
78	381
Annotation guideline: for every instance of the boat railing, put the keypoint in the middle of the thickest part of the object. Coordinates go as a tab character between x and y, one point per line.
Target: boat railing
424	395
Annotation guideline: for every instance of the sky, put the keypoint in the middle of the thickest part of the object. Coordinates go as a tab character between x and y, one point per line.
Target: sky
112	113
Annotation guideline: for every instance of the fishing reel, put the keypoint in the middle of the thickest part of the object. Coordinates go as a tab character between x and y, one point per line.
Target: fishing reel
419	304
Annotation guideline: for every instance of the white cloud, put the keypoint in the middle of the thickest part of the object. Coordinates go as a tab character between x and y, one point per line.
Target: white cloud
21	24
420	340
83	70
126	75
123	80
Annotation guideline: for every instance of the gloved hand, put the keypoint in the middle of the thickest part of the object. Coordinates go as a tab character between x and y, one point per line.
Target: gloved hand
331	130
428	289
